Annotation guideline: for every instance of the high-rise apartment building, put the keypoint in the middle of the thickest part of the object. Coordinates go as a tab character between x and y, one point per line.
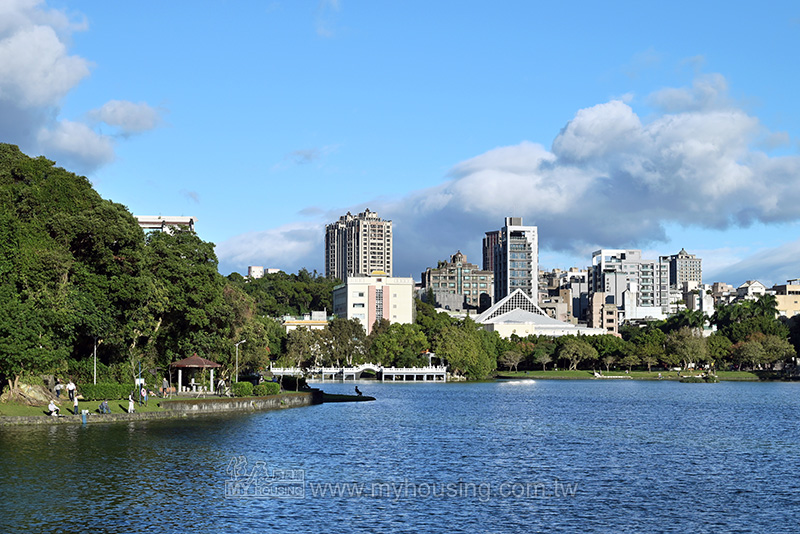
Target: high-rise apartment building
683	267
358	245
638	287
516	259
489	242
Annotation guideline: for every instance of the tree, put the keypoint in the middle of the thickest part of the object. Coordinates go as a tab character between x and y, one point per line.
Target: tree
575	351
748	352
693	319
399	345
777	350
511	359
348	341
461	348
686	346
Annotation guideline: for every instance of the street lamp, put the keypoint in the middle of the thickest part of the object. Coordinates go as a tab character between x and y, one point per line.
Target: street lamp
237	357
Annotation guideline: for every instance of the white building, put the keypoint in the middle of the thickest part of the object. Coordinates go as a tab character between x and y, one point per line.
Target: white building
638	287
379	296
165	223
519	314
316	320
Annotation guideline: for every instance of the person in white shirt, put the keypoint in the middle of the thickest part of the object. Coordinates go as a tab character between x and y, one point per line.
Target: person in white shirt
53	408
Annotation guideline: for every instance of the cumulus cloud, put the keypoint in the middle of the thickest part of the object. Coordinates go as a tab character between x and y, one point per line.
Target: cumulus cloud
768	266
288	247
129	117
76	145
37	72
610	179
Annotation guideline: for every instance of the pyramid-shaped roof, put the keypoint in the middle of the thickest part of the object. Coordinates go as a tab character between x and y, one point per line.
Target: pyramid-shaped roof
195	361
516	307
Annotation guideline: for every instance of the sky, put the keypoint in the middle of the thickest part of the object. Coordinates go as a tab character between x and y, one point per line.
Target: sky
606	124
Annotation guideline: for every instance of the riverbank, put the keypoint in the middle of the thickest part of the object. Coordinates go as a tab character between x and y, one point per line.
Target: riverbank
164	409
731	376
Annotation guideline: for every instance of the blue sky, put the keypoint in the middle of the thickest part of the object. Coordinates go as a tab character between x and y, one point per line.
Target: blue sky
608	125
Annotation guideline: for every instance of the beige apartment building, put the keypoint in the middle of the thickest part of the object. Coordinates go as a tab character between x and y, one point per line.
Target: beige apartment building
378	296
357	245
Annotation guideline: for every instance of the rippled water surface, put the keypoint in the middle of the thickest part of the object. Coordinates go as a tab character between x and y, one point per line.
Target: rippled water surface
521	456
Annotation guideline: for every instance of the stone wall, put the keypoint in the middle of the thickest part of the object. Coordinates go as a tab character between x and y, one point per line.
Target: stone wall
173	409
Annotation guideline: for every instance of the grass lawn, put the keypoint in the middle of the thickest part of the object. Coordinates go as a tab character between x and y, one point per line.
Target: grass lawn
117	406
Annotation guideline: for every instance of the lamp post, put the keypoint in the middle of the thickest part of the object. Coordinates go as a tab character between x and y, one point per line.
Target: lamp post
237	357
94	380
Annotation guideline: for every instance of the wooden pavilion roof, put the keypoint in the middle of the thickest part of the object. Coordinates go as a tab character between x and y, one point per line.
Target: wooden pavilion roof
195	361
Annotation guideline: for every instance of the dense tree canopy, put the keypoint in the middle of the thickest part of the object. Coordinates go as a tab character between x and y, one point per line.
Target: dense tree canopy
77	272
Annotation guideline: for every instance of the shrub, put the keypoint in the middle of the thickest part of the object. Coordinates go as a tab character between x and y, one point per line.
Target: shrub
106	391
267	388
242	389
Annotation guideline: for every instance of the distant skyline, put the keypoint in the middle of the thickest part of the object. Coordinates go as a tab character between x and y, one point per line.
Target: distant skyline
614	125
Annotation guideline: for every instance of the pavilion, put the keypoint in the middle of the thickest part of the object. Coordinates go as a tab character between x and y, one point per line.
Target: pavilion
194	362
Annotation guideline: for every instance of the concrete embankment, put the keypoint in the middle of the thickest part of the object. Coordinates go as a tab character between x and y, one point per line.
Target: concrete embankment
176	409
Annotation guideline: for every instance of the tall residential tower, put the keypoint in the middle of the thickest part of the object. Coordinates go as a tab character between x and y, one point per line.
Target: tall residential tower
516	259
358	245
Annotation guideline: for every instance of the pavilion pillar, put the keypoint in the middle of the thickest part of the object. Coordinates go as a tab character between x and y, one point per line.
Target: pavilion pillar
180	379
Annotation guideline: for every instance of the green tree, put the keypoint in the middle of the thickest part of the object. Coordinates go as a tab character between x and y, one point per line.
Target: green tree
575	351
461	348
686	346
348	341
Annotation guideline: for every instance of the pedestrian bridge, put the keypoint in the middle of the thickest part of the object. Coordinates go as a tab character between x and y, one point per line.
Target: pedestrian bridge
391	374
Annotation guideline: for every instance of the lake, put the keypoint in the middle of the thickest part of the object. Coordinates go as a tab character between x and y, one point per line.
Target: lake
511	456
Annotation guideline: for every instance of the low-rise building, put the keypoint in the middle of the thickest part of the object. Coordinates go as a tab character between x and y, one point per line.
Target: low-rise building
517	314
316	320
373	297
788	298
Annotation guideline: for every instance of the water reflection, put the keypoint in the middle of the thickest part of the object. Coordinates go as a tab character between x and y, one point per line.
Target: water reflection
640	456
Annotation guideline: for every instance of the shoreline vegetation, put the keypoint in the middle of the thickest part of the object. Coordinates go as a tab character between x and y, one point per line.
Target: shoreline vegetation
729	376
159	408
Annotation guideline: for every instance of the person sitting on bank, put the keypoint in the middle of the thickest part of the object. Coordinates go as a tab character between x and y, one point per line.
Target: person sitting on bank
54	410
104	407
358	391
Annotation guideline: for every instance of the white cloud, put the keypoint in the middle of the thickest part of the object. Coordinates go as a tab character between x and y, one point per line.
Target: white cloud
37	72
129	117
35	69
76	146
611	180
289	247
708	91
769	266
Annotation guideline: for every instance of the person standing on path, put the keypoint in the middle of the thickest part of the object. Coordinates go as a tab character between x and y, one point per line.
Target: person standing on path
130	402
75	405
71	390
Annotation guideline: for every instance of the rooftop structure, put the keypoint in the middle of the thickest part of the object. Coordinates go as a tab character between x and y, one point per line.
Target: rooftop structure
165	223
